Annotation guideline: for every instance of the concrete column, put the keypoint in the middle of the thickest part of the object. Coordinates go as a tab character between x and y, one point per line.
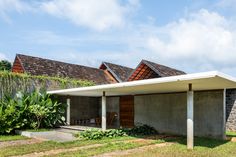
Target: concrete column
104	116
190	124
224	114
68	112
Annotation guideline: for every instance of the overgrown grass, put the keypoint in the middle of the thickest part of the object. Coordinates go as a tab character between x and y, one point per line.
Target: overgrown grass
11	137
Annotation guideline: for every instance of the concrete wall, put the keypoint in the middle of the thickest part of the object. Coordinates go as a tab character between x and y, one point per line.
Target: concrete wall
231	110
168	112
113	105
83	107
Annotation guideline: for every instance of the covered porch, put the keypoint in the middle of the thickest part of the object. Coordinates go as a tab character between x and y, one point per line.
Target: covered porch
174	96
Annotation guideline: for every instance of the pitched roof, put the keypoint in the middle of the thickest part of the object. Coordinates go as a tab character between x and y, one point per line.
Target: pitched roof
147	70
163	70
120	73
40	66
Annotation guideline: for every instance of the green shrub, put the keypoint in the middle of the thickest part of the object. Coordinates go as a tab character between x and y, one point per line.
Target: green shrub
141	130
12	114
96	134
27	111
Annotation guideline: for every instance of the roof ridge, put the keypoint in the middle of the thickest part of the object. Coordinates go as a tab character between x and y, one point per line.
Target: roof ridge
162	65
117	65
53	60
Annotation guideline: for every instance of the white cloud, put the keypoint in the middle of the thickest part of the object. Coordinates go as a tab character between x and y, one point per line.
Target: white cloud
95	14
202	41
7	6
226	4
3	56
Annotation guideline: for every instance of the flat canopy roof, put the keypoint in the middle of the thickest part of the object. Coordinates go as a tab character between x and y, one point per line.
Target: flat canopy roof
200	81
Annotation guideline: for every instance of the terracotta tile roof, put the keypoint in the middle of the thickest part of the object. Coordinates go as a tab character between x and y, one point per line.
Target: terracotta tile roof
40	66
148	70
121	73
162	70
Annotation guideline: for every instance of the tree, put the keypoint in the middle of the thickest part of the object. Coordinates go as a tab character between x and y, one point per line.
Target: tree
5	65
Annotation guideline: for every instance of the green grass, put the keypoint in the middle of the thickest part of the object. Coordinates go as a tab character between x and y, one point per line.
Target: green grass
203	148
49	145
11	137
231	134
38	130
109	147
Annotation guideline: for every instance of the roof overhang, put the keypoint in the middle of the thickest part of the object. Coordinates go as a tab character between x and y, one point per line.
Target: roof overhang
200	81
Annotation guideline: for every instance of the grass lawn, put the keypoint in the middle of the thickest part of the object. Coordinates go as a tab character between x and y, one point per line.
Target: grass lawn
11	137
203	147
38	130
231	134
49	145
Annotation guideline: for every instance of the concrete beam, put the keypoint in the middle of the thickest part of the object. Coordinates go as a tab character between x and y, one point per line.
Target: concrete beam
104	116
68	112
190	124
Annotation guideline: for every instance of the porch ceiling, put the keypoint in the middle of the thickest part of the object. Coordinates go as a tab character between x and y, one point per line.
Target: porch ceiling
200	81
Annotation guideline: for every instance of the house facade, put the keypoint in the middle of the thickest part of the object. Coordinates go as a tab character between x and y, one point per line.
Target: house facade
152	94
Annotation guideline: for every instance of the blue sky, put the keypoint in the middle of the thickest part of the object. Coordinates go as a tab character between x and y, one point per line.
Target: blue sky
192	35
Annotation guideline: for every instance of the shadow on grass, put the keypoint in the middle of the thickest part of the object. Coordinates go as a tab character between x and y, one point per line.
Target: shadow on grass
198	141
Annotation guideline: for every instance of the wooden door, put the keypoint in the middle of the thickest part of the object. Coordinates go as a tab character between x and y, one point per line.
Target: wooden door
127	111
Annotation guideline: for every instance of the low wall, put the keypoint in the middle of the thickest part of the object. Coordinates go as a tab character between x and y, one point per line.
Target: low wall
231	110
168	113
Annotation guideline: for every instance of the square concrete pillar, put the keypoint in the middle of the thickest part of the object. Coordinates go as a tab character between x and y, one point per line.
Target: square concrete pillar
68	111
190	120
104	116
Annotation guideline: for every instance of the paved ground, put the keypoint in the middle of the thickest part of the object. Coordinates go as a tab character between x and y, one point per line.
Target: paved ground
58	135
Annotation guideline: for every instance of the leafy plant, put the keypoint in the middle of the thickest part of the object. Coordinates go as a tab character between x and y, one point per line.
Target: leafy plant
141	130
11	83
32	110
46	111
96	134
12	114
5	65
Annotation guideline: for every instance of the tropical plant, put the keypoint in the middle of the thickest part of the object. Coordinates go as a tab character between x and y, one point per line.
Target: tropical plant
12	114
96	134
45	111
5	65
30	110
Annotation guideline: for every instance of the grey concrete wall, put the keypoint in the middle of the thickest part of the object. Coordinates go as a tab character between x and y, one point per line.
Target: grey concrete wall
82	107
231	110
168	112
113	105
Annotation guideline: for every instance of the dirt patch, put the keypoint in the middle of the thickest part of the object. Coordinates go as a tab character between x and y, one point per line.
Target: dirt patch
19	142
58	151
135	150
233	139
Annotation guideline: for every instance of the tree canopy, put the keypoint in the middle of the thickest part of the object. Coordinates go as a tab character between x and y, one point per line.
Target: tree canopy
5	65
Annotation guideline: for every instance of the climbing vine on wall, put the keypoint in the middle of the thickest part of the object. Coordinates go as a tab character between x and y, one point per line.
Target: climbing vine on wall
11	83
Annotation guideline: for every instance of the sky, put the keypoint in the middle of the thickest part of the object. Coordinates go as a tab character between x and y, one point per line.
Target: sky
190	35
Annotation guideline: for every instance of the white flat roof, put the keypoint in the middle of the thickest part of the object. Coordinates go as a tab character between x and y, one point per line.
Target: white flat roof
200	81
